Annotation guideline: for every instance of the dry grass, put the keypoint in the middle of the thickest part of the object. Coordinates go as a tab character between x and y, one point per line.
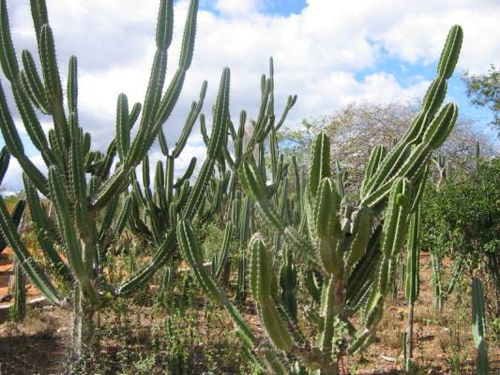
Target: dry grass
134	340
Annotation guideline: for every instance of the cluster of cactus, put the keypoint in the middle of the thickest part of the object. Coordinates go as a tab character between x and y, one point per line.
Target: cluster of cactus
351	249
153	215
81	182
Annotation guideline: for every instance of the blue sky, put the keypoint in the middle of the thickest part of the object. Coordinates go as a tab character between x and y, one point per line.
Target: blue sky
329	53
282	8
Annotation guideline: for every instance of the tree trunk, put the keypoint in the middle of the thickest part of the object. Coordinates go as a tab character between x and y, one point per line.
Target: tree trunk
409	347
83	324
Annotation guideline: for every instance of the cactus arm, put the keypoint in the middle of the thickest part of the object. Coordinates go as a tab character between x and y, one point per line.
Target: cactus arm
450	53
255	188
376	157
172	94
66	226
45	232
53	87
289	104
203	129
192	254
190	121
164	29
455	275
32	83
320	166
15	146
122	127
31	267
113	186
16	215
4	162
39	15
327	204
164	252
134	114
8	57
361	278
224	251
72	85
479	327
19	292
154	115
33	127
412	257
107	219
196	195
221	116
215	145
122	218
187	174
359	245
431	103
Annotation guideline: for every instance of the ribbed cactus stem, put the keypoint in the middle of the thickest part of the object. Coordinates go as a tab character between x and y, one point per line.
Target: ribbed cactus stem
412	281
479	327
19	292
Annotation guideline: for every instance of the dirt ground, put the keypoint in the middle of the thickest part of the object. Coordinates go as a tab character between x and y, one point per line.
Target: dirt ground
443	340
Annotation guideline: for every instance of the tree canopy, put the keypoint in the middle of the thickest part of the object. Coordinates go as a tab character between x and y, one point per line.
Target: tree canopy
484	90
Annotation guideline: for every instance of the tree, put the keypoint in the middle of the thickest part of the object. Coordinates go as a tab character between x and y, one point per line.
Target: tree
359	127
484	90
464	214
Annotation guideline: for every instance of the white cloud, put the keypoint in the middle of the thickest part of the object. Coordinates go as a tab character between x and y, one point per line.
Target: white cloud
322	54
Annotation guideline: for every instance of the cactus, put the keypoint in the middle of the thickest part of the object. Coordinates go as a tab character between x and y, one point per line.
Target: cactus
479	327
352	247
412	281
156	205
19	307
442	292
80	182
18	211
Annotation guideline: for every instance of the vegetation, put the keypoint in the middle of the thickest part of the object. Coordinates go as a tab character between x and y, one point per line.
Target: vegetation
461	221
484	90
315	246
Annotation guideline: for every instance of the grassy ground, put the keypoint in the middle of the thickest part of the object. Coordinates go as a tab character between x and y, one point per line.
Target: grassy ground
187	334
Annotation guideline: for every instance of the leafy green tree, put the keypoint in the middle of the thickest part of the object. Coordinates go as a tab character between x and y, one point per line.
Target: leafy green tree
484	90
464	214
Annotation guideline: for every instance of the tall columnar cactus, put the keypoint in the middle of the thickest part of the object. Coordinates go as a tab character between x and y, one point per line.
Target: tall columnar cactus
81	182
19	307
412	279
156	205
352	247
153	214
479	328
